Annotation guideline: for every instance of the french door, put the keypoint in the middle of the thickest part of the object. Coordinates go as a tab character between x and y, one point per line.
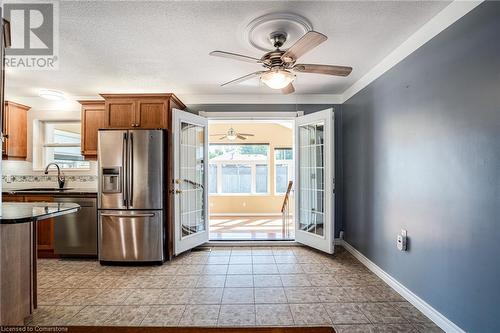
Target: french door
190	176
314	222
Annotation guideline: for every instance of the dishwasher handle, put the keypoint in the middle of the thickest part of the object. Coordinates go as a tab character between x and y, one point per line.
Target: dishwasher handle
83	202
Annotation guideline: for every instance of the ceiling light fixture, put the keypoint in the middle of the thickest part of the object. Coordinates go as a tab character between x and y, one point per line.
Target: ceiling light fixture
277	78
53	95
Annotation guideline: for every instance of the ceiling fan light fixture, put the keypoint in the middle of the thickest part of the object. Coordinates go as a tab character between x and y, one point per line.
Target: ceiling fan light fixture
231	134
277	79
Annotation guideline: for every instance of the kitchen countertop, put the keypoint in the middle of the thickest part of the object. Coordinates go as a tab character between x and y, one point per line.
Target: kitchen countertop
72	191
23	212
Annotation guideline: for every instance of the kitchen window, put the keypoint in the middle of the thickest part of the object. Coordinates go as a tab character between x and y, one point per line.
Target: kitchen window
283	169
241	169
61	144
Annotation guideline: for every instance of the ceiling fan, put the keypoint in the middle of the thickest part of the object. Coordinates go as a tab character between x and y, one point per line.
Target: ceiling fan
232	135
280	64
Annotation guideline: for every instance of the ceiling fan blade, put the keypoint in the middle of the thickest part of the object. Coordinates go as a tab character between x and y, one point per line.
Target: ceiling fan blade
241	137
305	44
234	56
323	69
288	89
222	138
245	134
243	78
218	134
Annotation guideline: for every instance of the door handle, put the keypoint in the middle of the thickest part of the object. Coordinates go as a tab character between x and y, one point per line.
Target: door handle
128	215
131	178
178	191
125	169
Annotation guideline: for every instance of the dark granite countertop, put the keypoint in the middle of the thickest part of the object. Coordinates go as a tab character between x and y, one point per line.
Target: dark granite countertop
52	191
23	212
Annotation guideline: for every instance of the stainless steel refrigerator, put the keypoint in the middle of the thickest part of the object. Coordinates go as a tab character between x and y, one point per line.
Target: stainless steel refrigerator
131	195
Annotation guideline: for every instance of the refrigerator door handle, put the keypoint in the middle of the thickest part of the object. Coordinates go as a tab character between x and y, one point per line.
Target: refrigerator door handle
128	215
131	171
124	179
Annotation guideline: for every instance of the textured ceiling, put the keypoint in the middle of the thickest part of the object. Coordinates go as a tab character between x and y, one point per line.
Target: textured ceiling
121	46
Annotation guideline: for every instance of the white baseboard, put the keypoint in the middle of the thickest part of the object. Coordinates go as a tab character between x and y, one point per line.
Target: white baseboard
440	320
244	214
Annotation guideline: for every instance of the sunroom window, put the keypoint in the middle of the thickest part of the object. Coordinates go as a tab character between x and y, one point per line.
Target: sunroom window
239	169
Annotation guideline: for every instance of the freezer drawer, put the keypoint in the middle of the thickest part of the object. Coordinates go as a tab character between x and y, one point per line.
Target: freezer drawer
130	235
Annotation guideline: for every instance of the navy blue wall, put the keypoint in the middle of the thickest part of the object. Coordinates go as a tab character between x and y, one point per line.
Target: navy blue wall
421	151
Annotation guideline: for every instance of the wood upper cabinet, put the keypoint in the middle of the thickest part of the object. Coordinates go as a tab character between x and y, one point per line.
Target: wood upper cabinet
120	113
147	111
15	122
93	118
151	113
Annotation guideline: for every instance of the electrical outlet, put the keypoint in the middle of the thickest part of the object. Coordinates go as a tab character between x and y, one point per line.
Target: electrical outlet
401	240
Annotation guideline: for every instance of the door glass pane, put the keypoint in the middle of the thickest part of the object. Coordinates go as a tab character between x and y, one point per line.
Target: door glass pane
192	179
311	175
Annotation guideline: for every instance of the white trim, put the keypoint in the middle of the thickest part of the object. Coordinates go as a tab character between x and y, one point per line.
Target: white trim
437	24
243	214
250	115
438	318
264	98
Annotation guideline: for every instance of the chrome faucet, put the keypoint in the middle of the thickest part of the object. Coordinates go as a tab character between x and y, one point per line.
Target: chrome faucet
61	179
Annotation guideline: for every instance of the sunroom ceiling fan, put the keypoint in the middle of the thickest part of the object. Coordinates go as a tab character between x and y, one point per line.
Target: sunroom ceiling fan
280	65
231	134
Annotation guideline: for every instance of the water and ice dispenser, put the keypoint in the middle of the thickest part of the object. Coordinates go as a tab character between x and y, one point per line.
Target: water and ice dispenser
111	180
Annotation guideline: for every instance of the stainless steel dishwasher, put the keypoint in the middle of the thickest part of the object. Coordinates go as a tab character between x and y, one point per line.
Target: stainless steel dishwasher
76	234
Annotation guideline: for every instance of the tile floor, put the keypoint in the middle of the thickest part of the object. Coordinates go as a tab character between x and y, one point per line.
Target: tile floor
260	286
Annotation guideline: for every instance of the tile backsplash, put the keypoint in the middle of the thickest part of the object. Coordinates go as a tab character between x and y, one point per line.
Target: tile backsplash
20	174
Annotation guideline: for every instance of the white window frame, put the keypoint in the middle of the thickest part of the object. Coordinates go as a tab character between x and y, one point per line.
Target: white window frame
39	144
290	165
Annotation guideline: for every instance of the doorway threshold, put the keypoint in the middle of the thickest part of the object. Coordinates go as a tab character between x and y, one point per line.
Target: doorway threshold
254	243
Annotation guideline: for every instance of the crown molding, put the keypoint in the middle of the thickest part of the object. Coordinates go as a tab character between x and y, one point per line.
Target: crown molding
449	15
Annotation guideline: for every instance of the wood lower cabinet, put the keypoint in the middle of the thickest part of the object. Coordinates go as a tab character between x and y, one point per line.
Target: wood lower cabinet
93	118
147	111
15	122
44	229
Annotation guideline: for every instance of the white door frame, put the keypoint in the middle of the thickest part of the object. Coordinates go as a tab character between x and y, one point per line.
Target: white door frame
182	244
235	116
325	242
